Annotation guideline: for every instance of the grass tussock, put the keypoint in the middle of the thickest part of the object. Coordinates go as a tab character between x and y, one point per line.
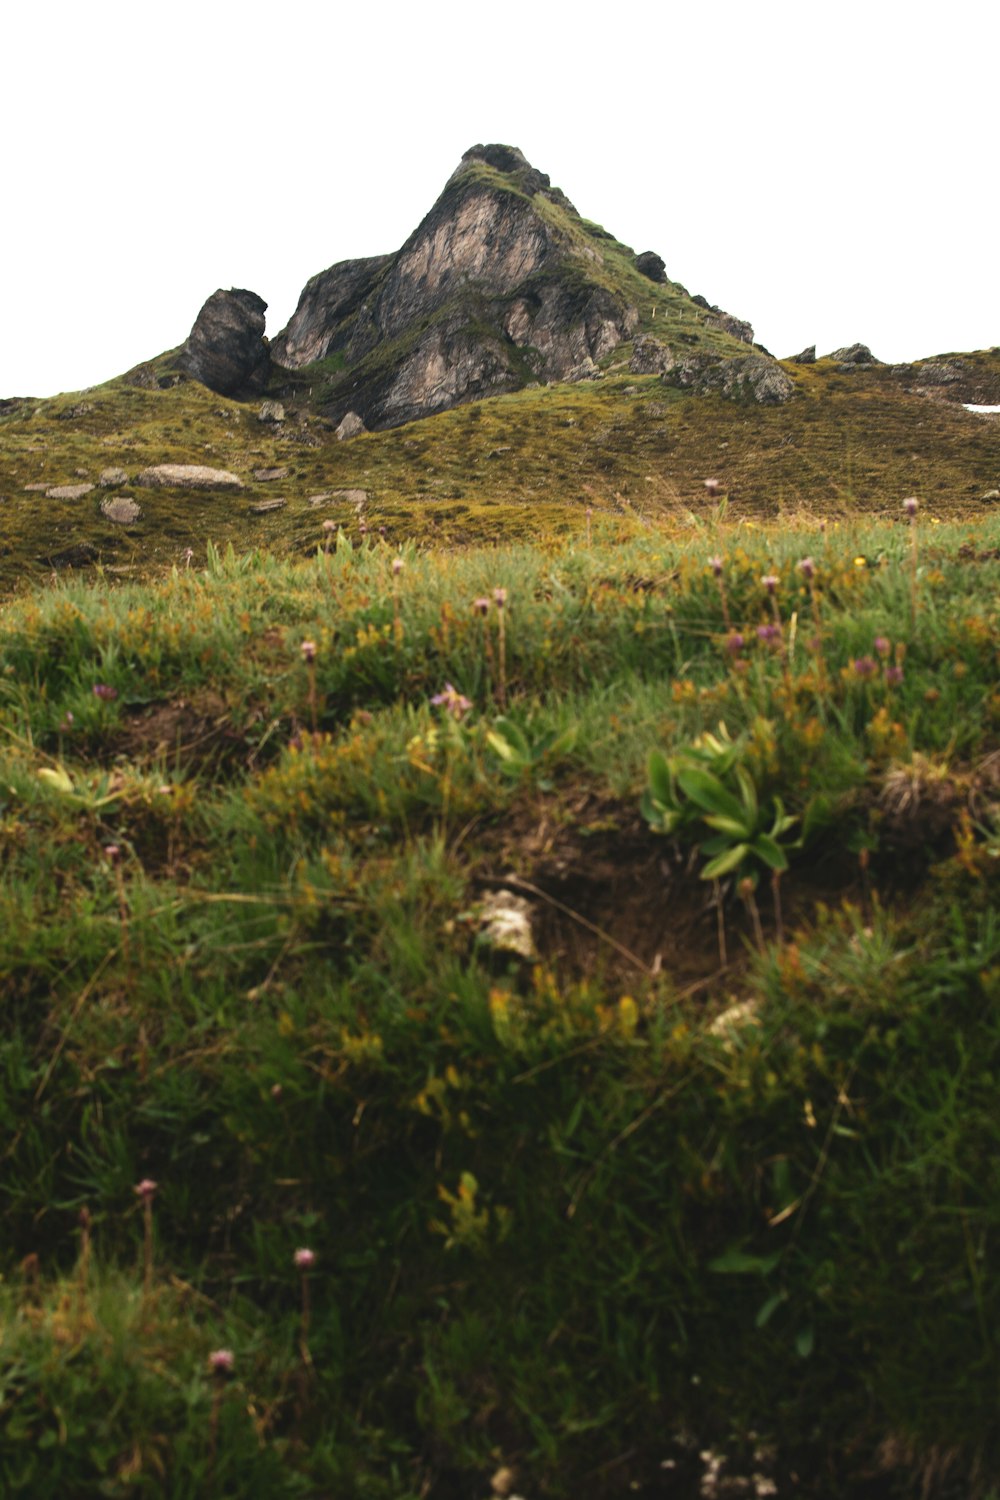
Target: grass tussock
316	1181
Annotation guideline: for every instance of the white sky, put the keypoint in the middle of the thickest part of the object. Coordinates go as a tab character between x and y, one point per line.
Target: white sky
826	171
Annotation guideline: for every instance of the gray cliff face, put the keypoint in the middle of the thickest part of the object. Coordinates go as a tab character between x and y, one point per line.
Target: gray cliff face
226	349
493	289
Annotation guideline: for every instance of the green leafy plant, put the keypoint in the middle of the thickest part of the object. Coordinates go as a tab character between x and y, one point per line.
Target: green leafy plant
523	758
705	795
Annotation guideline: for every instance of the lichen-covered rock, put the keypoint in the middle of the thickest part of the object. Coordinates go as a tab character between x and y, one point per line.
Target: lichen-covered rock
188	477
747	377
651	265
350	426
807	356
108	479
855	354
68	491
737	328
650	357
226	349
121	509
271	411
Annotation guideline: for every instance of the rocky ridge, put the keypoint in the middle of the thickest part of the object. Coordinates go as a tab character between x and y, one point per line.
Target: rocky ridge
502	284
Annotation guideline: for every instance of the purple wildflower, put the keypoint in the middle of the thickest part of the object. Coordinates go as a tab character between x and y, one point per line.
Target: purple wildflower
222	1361
308	649
808	569
715	563
481	606
105	692
769	632
452	701
146	1189
736	641
499	597
713	486
770	581
304	1259
882	646
397	566
894	674
865	666
911	505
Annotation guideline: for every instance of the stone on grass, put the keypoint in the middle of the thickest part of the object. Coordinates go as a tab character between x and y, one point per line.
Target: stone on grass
271	411
351	426
68	491
121	509
188	477
109	478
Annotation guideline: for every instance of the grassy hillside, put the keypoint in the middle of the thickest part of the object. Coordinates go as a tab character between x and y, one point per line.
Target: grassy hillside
518	467
312	1185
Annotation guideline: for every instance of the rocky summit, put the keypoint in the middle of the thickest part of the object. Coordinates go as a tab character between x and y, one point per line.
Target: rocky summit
503	284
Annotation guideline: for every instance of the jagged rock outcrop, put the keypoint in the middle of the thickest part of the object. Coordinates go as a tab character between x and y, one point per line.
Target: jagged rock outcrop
650	265
855	354
806	357
226	349
747	377
744	377
500	285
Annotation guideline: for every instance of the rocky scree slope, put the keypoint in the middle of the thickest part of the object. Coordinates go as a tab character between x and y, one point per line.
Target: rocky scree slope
502	285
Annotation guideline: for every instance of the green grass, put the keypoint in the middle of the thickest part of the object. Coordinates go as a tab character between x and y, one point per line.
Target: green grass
570	1216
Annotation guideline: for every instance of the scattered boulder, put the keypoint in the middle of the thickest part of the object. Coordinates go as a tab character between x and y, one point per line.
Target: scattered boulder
81	409
650	357
351	497
226	349
37	489
855	355
350	426
737	328
271	411
188	477
991	497
109	479
263	476
746	377
585	370
68	491
807	356
650	265
264	507
120	508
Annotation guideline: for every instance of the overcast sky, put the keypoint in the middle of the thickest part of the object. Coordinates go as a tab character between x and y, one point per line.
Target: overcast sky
827	172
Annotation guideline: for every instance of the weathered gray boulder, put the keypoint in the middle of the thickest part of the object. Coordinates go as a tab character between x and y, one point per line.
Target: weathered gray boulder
855	354
68	491
226	349
807	356
649	264
650	357
121	509
188	477
264	476
108	479
271	411
350	426
737	328
747	377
